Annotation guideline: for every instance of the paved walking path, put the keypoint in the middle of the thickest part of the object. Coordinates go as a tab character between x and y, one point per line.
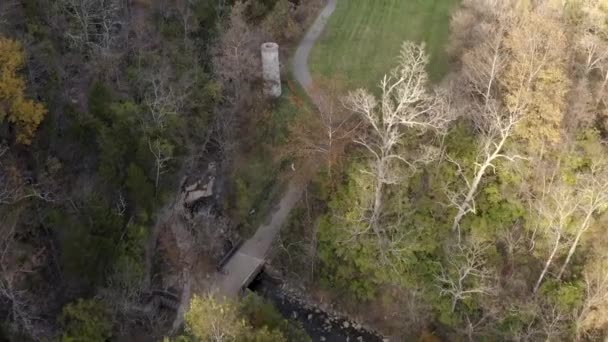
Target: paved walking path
247	261
300	61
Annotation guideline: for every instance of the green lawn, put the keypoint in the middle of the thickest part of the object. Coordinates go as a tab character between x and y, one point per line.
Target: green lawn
363	37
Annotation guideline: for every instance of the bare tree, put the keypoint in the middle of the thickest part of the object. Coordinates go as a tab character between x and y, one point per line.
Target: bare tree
95	23
482	66
592	312
224	130
184	8
484	63
496	127
14	187
592	45
236	54
594	50
327	130
592	41
473	19
15	265
551	320
529	331
11	193
405	103
162	153
162	97
476	326
593	190
555	209
82	13
465	274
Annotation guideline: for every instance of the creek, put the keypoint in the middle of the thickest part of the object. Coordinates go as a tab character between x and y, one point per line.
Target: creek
319	325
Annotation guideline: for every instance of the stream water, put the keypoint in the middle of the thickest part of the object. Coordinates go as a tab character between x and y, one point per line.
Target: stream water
319	325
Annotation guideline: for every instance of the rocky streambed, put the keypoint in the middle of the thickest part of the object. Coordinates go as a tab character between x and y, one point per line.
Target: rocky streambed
320	325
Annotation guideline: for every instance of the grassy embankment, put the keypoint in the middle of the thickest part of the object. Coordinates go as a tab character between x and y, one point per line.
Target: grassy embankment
363	37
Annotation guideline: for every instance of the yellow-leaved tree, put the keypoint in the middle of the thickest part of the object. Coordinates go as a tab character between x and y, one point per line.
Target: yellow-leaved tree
21	112
536	80
211	320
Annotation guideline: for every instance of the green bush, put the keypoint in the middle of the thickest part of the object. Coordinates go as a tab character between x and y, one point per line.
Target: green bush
265	319
566	296
255	187
129	268
88	240
86	320
141	191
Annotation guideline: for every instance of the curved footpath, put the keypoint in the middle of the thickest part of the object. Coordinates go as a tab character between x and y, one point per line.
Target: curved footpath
300	60
246	262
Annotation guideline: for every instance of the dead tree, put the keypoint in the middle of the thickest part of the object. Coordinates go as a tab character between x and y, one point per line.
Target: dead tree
162	153
184	8
593	188
405	106
328	130
594	51
592	312
552	321
465	274
14	267
236	55
95	24
496	128
476	326
482	66
162	98
555	209
15	188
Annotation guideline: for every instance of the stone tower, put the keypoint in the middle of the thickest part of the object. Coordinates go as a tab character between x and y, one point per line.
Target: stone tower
271	70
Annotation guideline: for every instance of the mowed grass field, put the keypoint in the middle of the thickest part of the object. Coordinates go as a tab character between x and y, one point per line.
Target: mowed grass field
363	37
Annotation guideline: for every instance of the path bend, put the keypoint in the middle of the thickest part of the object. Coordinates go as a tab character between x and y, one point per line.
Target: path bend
252	254
300	66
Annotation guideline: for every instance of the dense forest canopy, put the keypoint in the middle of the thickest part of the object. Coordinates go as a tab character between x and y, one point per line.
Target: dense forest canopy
480	203
137	149
105	107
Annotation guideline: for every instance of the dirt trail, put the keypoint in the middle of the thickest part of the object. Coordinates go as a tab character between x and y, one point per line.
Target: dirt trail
252	253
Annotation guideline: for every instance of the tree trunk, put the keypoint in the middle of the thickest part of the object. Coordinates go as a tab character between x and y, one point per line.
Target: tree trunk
464	207
603	86
374	220
548	263
157	177
580	232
